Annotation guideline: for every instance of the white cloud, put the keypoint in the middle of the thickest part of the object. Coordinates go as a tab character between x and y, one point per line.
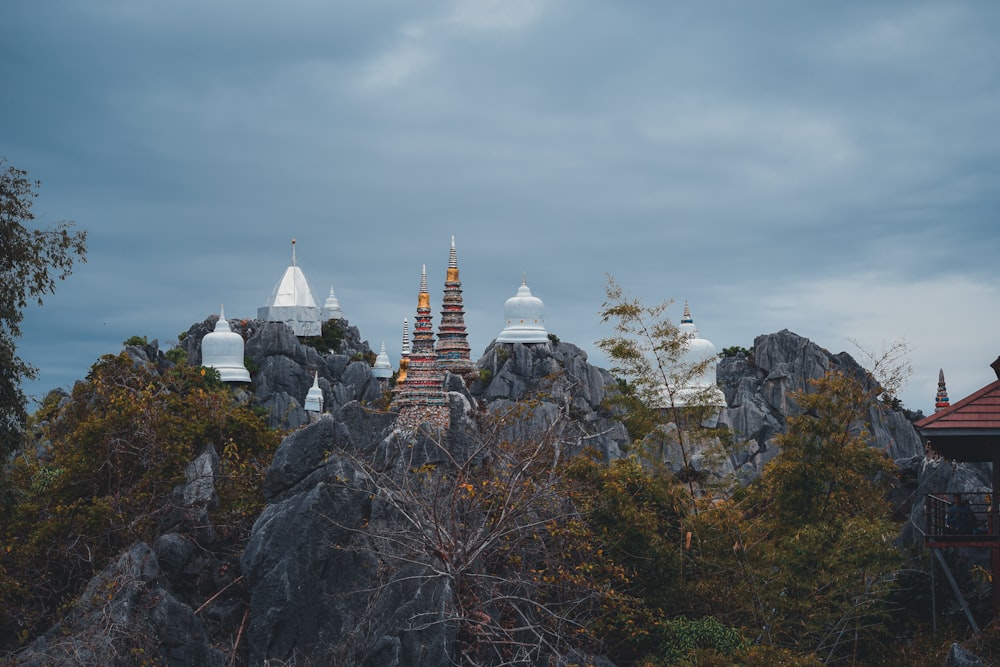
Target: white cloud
948	322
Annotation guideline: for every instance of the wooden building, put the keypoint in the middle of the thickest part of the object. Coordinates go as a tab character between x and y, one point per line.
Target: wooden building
967	431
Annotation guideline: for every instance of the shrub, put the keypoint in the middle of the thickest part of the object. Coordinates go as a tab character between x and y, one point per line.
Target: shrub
330	338
117	449
176	355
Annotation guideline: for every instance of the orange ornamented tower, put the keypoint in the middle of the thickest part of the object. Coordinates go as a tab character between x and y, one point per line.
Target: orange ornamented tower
420	397
452	345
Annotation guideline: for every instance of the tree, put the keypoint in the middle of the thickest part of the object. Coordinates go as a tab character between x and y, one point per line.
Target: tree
114	454
31	261
487	522
804	556
656	373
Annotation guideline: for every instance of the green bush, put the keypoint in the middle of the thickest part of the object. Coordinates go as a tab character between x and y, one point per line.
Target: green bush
330	338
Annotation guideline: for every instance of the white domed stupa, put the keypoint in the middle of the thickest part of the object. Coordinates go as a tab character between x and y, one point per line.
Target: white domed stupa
701	389
292	302
222	350
383	367
524	315
314	397
331	309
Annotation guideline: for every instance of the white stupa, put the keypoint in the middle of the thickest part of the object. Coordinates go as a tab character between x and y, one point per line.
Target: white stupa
525	318
292	302
331	309
702	389
314	397
383	367
222	350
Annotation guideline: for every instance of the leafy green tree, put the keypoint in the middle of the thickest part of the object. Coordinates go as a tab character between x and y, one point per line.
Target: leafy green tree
31	261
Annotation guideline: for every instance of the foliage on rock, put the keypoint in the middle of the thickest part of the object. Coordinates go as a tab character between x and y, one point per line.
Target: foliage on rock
804	556
331	335
526	579
112	456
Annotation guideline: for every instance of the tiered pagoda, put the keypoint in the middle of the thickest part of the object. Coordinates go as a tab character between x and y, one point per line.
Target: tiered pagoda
941	400
421	396
452	345
404	354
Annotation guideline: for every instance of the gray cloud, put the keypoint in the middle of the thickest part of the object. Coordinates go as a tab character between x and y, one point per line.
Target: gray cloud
831	170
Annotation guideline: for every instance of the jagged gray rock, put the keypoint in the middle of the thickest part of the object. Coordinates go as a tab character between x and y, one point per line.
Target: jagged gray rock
758	391
558	376
959	656
282	368
312	566
125	615
312	549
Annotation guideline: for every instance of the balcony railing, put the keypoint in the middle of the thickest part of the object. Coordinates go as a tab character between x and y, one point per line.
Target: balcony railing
959	519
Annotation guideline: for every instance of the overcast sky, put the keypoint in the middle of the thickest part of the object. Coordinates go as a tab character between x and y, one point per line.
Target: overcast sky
829	168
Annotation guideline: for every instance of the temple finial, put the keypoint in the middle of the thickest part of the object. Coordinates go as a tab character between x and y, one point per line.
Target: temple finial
452	257
941	399
293	252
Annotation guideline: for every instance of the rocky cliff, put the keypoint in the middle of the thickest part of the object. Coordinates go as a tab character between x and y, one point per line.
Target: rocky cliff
334	572
758	388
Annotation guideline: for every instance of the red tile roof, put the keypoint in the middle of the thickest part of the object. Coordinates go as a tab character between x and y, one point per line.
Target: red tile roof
977	411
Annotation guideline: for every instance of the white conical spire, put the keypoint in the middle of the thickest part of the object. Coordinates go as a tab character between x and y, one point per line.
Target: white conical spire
524	316
292	302
382	367
222	349
314	398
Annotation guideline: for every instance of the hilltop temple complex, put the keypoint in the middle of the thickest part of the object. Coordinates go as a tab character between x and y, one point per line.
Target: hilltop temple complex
419	388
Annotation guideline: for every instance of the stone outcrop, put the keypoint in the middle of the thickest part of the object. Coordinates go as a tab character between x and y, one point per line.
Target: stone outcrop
126	616
316	544
314	568
558	376
282	368
758	389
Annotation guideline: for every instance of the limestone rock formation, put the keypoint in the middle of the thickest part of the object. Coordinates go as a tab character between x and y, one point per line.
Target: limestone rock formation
126	615
561	379
316	544
314	568
282	368
758	394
